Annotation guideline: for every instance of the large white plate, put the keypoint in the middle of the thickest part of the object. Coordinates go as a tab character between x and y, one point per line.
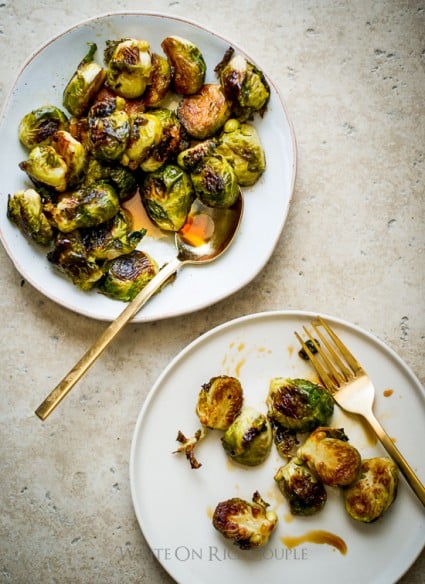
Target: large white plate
42	80
173	503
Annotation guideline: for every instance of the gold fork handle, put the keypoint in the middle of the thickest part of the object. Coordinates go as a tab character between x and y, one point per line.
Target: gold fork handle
394	452
68	382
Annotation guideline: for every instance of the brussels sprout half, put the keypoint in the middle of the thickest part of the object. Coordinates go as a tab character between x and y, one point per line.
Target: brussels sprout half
25	209
129	66
305	492
204	113
126	275
299	404
219	402
244	85
248	440
108	129
84	85
187	64
85	207
167	195
38	126
248	525
374	491
241	147
215	182
327	452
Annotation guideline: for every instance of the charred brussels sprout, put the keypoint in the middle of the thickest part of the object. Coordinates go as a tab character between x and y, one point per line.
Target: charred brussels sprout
204	113
248	525
85	207
248	440
108	129
121	178
187	64
305	492
38	126
73	153
192	156
25	209
244	85
160	81
327	452
84	84
375	489
171	141
241	146
126	275
129	65
299	404
215	182
219	402
285	439
167	195
69	256
145	132
113	238
44	165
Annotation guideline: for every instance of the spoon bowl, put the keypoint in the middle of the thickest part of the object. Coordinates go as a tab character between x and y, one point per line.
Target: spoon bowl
207	233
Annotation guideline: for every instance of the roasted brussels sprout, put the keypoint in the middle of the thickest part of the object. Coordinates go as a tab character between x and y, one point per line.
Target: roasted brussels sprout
172	140
192	156
204	113
73	153
167	195
327	452
285	439
215	182
69	256
299	404
108	129
187	64
244	85
305	492
121	178
84	84
44	165
129	66
248	525
160	81
38	126
375	489
85	207
145	132
219	402
241	146
127	274
248	440
111	239
312	347
25	209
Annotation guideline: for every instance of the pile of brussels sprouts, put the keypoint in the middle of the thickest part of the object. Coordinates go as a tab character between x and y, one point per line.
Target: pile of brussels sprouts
317	456
142	124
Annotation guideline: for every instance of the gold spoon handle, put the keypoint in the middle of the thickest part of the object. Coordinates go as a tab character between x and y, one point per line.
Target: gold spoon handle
68	382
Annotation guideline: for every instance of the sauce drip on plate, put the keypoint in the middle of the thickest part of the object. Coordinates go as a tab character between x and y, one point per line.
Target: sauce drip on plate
316	536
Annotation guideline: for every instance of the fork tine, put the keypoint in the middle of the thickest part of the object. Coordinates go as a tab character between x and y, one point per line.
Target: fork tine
335	363
327	380
349	357
332	372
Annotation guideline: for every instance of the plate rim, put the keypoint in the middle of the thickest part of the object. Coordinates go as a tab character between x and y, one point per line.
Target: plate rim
164	313
234	322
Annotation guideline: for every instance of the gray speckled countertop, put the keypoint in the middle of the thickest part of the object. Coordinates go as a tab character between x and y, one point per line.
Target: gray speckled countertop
352	76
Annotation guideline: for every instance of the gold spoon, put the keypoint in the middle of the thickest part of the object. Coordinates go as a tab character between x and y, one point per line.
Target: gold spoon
207	234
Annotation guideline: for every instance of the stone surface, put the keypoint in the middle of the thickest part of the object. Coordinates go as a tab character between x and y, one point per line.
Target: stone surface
352	76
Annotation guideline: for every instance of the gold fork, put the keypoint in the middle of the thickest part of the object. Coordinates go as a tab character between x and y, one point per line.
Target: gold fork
351	388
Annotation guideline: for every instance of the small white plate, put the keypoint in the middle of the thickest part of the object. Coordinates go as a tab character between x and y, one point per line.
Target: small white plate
174	503
42	80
